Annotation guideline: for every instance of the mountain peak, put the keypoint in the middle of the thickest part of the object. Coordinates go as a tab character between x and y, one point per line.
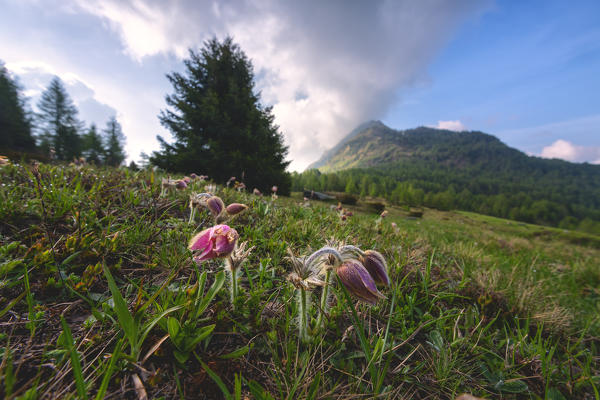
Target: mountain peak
373	143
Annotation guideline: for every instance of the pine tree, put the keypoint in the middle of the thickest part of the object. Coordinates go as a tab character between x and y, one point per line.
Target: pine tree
58	123
93	150
15	124
114	141
219	126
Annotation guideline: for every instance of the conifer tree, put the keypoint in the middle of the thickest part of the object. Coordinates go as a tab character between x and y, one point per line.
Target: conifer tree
114	140
219	125
93	150
15	124
58	123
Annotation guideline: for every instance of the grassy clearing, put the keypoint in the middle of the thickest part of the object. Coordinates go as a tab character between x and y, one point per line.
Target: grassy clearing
100	298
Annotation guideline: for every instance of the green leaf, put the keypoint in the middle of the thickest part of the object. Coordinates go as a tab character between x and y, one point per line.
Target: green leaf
513	386
436	340
212	292
202	333
242	351
258	392
173	327
217	380
75	363
181	356
111	366
123	315
554	394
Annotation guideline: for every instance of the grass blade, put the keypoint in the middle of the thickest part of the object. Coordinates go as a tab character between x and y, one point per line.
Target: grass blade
75	362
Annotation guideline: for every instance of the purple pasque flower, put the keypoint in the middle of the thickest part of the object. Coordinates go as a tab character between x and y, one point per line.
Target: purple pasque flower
235	208
216	242
355	277
215	205
377	267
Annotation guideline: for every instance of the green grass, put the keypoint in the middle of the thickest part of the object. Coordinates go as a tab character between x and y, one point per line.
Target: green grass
477	304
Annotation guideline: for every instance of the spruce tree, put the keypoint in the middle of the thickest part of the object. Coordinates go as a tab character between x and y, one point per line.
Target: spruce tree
220	127
58	123
15	124
114	141
93	150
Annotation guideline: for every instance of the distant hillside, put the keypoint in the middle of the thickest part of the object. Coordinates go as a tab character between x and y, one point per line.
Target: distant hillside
374	144
465	170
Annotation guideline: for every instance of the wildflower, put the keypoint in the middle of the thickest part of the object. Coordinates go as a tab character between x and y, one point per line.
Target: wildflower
180	184
4	161
187	179
384	214
216	242
232	179
376	266
194	176
304	275
274	189
355	277
233	263
239	186
167	184
235	208
256	192
215	205
210	188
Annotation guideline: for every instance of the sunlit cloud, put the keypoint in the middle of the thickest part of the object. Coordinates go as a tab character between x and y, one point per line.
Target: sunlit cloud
451	126
568	151
325	67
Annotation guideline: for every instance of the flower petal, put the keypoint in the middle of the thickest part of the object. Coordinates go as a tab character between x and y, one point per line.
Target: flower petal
201	241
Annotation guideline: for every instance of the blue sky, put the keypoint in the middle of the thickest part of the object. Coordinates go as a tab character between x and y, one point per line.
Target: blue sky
526	72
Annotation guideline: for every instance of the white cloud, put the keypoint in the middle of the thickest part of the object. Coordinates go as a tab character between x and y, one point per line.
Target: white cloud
36	76
347	60
568	151
451	125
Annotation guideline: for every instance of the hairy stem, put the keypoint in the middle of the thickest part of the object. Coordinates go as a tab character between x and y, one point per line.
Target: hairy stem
233	286
303	316
324	306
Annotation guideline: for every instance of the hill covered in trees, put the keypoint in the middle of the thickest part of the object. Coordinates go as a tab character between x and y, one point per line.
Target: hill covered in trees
458	170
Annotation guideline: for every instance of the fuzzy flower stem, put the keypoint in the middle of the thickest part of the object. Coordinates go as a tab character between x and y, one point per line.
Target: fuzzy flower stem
323	251
350	249
324	297
233	287
192	214
303	316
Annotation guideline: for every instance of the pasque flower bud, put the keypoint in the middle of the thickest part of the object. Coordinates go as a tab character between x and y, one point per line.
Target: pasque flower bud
375	264
355	277
215	205
236	208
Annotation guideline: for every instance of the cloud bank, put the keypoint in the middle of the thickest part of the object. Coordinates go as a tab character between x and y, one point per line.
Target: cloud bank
325	67
456	126
568	151
36	77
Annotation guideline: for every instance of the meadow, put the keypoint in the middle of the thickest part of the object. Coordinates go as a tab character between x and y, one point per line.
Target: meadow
100	297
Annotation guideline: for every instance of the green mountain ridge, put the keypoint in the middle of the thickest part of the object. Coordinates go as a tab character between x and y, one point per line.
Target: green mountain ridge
374	144
468	170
